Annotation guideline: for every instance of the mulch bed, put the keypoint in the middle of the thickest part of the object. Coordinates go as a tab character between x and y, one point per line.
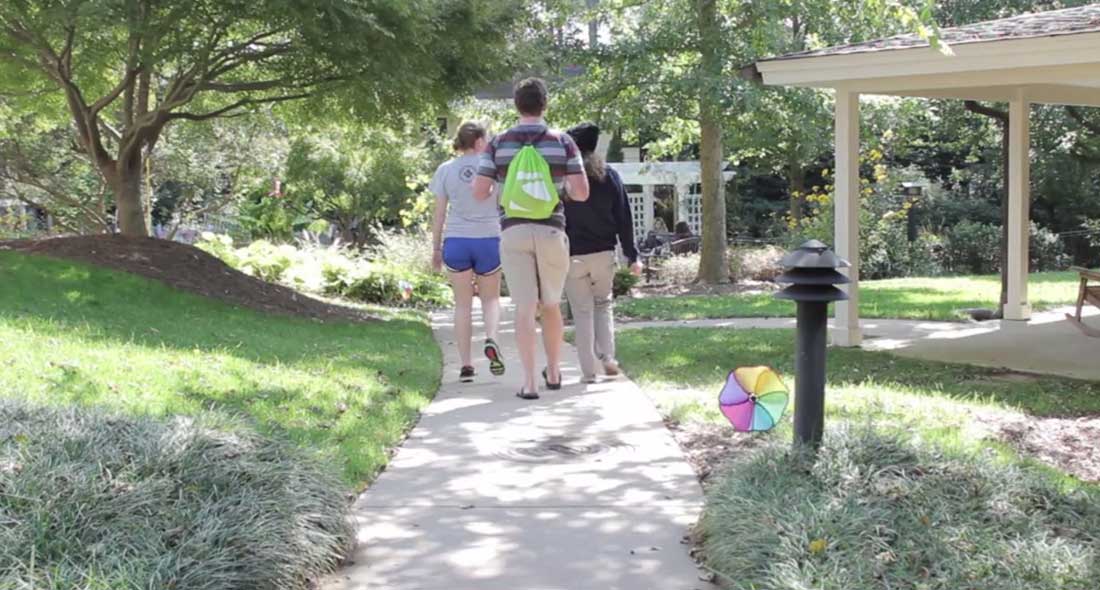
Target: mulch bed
707	446
1067	444
189	269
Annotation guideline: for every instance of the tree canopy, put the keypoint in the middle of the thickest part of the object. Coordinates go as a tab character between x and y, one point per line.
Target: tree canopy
126	69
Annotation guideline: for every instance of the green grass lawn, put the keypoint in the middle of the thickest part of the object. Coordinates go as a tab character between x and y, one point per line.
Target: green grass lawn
910	298
685	369
71	333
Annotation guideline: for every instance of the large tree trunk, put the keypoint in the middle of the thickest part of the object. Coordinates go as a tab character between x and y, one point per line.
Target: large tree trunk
127	186
713	268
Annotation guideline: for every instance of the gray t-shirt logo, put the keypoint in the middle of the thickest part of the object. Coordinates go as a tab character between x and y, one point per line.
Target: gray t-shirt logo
467	217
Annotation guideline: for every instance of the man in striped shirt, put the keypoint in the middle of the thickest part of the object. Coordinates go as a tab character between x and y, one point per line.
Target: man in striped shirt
535	252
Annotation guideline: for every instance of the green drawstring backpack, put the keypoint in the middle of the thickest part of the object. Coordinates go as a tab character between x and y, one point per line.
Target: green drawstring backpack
529	191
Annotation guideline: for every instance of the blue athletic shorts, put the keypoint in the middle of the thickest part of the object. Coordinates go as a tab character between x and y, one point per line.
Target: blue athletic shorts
480	254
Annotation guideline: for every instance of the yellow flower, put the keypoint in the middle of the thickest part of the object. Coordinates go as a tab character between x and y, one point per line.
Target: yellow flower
818	546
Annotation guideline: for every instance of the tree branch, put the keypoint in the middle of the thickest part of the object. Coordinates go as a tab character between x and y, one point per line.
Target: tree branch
65	59
1078	116
244	102
56	195
125	85
245	86
233	61
976	107
230	50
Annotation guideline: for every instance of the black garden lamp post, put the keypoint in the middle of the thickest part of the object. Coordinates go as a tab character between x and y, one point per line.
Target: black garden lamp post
810	271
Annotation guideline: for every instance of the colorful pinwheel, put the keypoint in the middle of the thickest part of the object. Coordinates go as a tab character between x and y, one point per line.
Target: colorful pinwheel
753	399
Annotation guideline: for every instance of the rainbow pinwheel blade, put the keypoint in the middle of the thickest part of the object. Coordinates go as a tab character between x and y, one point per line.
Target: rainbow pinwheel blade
753	399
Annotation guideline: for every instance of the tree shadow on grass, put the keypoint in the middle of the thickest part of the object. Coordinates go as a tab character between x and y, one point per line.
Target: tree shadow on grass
354	433
108	338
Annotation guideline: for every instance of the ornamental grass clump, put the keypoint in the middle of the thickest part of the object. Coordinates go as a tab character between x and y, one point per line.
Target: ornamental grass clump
95	500
882	509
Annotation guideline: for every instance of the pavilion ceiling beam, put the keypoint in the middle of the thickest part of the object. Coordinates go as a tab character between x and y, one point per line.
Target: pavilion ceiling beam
1050	53
1081	74
1039	93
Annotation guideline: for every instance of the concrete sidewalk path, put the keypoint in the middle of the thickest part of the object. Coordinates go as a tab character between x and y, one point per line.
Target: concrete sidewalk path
584	489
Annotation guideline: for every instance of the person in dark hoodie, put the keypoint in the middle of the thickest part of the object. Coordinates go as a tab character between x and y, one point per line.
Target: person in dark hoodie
594	227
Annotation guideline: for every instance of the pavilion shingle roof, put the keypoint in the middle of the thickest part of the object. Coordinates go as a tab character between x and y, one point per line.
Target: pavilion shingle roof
1068	21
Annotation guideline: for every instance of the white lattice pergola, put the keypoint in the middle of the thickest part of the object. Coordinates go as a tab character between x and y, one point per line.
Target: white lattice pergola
683	177
1049	57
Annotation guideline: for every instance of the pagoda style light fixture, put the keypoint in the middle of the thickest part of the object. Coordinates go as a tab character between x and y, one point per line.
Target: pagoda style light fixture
811	275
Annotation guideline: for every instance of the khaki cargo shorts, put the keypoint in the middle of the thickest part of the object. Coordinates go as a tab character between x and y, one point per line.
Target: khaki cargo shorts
536	261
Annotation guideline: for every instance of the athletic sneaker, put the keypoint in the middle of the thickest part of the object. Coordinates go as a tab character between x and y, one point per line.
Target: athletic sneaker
466	375
611	367
496	361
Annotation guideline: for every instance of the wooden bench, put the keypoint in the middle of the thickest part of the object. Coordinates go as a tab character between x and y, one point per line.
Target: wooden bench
1087	294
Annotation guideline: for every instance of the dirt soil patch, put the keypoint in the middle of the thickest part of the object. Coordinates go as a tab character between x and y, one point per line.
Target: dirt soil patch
189	269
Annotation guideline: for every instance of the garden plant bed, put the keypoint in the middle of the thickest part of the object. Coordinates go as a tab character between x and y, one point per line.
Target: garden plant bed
186	268
1066	444
912	448
1053	420
100	500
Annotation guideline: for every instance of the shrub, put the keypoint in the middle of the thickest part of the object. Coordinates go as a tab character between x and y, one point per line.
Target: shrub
679	270
887	510
1092	226
623	282
386	284
884	246
763	263
268	217
972	248
220	246
267	261
337	271
93	500
411	249
1047	252
975	248
15	224
926	256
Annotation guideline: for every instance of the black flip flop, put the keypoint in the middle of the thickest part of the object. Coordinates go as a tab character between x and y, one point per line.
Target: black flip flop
466	375
528	395
549	385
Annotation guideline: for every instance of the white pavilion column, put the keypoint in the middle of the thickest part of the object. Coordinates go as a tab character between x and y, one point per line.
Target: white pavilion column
846	328
1019	206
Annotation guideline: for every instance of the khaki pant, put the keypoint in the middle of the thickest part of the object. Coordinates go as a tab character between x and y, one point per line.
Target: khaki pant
535	259
588	288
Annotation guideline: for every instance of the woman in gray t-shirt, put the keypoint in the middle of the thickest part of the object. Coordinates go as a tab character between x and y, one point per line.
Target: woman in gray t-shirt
466	240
